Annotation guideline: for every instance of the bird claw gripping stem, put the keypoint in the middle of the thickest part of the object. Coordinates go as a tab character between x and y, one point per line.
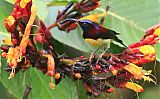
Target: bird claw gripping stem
98	73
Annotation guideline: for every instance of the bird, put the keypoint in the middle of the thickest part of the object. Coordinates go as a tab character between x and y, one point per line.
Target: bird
92	30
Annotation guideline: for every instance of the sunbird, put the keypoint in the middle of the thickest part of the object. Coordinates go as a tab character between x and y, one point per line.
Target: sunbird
92	30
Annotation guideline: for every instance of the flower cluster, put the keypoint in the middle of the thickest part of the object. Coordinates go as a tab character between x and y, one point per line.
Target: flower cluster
31	44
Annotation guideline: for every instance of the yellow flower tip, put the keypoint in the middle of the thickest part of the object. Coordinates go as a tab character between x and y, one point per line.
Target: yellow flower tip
92	17
14	1
52	85
10	54
99	4
33	9
7	41
157	31
134	70
151	57
147	49
4	54
134	86
57	76
9	20
114	70
78	75
23	3
147	78
13	63
11	75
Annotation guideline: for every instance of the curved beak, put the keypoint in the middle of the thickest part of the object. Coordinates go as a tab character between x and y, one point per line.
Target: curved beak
71	19
76	20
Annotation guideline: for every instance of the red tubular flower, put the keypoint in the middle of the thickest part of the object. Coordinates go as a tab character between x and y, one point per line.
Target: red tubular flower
143	52
22	8
84	7
139	55
14	23
152	29
122	81
67	26
114	70
150	38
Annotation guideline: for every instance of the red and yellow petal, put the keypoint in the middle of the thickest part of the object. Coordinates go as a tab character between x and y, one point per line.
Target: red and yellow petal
147	49
134	86
135	70
9	21
23	3
7	41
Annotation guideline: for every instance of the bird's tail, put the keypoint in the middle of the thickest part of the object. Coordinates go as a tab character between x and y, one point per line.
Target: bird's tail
119	41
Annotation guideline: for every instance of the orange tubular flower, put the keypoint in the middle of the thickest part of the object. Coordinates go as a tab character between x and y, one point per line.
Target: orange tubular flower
50	65
26	35
14	55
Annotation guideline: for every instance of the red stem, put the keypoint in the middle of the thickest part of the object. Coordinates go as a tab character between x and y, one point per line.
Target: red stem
51	26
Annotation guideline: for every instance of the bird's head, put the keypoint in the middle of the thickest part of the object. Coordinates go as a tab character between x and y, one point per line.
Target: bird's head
84	24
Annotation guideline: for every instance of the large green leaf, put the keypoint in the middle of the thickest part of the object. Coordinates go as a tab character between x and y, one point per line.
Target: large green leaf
59	2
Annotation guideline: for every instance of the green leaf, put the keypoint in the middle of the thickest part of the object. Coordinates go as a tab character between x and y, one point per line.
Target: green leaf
151	93
157	46
42	11
59	2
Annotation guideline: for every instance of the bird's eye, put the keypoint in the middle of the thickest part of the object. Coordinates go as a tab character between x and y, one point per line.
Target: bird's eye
84	24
